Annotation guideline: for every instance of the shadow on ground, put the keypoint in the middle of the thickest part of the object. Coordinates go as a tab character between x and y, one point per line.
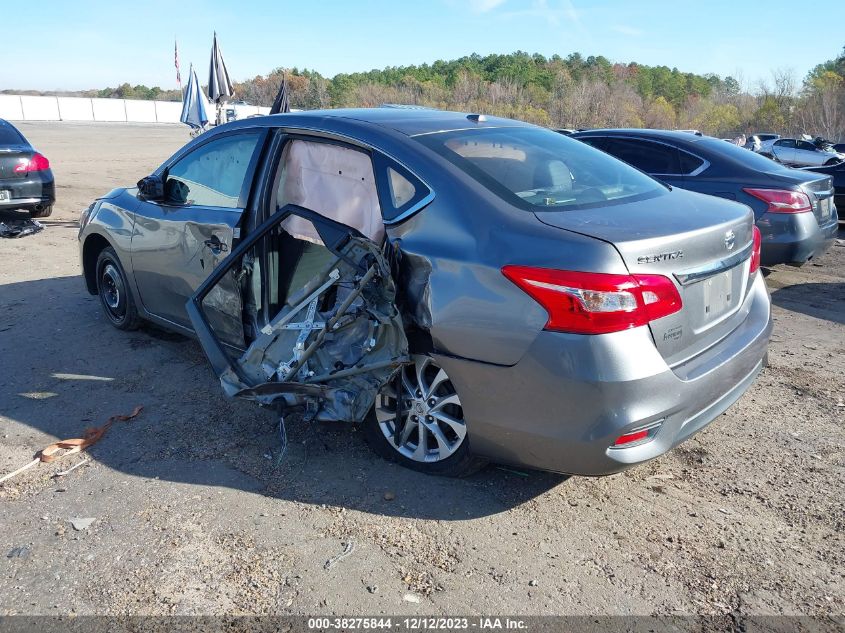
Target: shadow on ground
820	300
72	370
6	216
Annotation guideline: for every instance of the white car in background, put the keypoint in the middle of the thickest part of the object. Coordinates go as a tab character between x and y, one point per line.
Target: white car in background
800	153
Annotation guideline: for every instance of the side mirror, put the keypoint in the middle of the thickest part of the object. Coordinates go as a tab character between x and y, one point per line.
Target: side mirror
151	188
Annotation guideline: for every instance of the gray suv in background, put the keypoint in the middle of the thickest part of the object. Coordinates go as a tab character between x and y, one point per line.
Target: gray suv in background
467	288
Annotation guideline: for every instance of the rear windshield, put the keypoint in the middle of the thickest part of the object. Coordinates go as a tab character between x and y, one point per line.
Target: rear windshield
9	136
740	154
541	170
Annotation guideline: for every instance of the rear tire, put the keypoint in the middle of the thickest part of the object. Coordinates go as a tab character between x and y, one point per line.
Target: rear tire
43	212
833	161
114	293
431	407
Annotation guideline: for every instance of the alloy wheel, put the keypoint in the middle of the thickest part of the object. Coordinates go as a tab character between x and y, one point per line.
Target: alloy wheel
431	421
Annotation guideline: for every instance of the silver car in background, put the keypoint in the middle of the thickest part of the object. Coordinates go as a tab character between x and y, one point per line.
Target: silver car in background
467	288
799	153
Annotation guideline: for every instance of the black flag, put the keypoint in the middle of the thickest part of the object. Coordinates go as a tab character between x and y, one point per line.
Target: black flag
281	103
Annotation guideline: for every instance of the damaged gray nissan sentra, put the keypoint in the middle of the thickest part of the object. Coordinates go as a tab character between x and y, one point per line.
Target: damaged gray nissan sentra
468	288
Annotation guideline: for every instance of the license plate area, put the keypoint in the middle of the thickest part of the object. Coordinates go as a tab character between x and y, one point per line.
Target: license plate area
5	195
825	207
715	298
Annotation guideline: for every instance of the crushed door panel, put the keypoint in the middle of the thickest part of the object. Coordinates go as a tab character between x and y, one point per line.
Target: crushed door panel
336	341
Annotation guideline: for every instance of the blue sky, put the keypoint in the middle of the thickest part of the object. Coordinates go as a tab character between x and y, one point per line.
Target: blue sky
79	44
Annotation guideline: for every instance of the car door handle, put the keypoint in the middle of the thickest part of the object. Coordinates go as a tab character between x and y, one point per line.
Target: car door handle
216	245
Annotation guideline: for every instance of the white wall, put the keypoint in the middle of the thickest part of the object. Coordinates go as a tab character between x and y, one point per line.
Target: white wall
168	111
40	108
29	108
10	108
109	109
141	111
74	109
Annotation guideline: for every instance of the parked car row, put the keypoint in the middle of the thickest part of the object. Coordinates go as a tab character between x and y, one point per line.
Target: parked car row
794	209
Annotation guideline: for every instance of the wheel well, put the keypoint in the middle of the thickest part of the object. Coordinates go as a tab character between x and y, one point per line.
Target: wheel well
91	250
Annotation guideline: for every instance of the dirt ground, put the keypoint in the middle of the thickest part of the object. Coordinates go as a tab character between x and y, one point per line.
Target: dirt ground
191	515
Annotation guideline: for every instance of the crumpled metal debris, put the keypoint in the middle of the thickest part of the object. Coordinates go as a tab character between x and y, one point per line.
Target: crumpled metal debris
333	346
20	228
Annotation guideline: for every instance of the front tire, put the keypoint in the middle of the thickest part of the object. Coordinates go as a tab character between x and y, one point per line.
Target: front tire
113	290
833	161
433	435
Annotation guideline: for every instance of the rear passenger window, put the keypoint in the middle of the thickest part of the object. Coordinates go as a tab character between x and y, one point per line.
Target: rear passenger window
400	192
652	158
689	163
401	189
594	141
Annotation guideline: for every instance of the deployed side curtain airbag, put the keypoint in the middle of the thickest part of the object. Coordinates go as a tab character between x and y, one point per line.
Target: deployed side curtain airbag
336	182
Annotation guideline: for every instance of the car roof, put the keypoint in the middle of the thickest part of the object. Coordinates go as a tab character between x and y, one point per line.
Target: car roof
710	148
409	121
667	135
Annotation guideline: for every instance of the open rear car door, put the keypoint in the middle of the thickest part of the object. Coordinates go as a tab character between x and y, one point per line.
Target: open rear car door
322	328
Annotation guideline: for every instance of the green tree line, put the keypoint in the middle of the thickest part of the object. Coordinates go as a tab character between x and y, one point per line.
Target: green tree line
577	91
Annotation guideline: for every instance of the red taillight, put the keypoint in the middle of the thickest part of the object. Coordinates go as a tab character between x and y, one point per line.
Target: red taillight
782	200
596	303
38	162
628	438
755	250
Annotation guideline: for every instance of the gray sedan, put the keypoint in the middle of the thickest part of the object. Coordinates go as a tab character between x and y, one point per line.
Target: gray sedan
467	288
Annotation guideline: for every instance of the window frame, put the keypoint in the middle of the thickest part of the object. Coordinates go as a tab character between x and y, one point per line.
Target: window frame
423	194
681	174
705	164
378	158
249	175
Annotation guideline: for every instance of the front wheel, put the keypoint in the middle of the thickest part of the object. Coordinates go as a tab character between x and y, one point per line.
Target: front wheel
833	161
432	434
113	290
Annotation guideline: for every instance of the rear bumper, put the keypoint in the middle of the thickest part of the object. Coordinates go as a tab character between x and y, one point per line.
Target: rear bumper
29	192
562	406
794	238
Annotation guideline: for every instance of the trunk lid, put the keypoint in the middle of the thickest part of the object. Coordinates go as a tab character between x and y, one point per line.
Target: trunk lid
701	242
10	157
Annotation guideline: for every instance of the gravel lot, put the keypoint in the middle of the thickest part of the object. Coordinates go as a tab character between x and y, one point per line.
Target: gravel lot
191	517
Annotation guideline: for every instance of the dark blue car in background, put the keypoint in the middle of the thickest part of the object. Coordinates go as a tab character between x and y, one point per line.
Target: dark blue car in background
794	209
26	180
